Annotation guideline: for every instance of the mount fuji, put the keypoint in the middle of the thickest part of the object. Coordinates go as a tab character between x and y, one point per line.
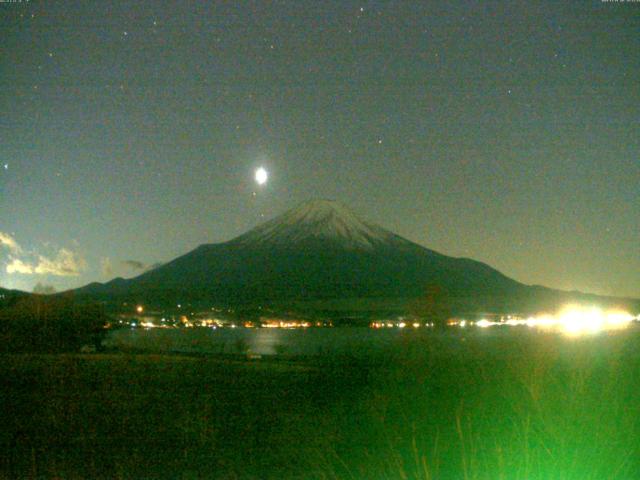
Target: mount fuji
320	250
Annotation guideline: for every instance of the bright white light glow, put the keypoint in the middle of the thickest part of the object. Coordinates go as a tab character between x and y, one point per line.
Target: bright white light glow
572	320
261	176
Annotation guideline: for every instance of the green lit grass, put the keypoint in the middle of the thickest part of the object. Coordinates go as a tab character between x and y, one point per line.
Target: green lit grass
481	407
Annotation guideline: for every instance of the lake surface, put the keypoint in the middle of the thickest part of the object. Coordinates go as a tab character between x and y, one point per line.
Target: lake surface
311	341
270	341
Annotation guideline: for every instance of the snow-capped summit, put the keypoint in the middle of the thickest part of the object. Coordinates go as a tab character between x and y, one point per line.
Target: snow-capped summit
324	220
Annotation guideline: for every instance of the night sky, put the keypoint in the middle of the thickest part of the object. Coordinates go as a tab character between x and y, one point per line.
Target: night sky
508	132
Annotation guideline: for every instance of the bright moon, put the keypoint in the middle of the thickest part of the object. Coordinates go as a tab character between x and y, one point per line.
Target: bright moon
261	176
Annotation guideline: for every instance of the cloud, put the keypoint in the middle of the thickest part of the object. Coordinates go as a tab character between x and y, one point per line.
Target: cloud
9	242
134	264
27	262
107	267
140	266
18	266
124	268
65	263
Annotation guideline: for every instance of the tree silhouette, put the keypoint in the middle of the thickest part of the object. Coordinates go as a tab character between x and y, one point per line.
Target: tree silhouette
50	324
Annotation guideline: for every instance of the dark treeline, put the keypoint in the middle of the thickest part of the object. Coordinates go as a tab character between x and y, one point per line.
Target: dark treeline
50	324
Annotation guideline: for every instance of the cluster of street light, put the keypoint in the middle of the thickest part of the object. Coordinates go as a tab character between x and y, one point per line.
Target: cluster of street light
572	320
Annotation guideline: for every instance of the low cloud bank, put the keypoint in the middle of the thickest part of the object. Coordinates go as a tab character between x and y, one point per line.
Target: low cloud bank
63	263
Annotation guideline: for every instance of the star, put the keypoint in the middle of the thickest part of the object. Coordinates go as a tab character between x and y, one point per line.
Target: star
6	166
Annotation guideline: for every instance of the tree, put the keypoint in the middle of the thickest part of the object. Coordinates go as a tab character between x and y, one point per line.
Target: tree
50	324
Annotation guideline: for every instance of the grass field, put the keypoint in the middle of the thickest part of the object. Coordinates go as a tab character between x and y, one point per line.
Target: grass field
526	406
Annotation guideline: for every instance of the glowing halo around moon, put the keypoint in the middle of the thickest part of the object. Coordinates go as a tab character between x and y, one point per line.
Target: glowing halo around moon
261	176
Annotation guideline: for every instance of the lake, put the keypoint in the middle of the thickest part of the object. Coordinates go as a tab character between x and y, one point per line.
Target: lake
310	341
270	341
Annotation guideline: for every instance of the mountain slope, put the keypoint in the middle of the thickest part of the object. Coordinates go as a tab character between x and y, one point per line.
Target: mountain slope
9	297
319	250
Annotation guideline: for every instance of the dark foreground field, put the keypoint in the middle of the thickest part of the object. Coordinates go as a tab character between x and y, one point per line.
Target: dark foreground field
482	407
